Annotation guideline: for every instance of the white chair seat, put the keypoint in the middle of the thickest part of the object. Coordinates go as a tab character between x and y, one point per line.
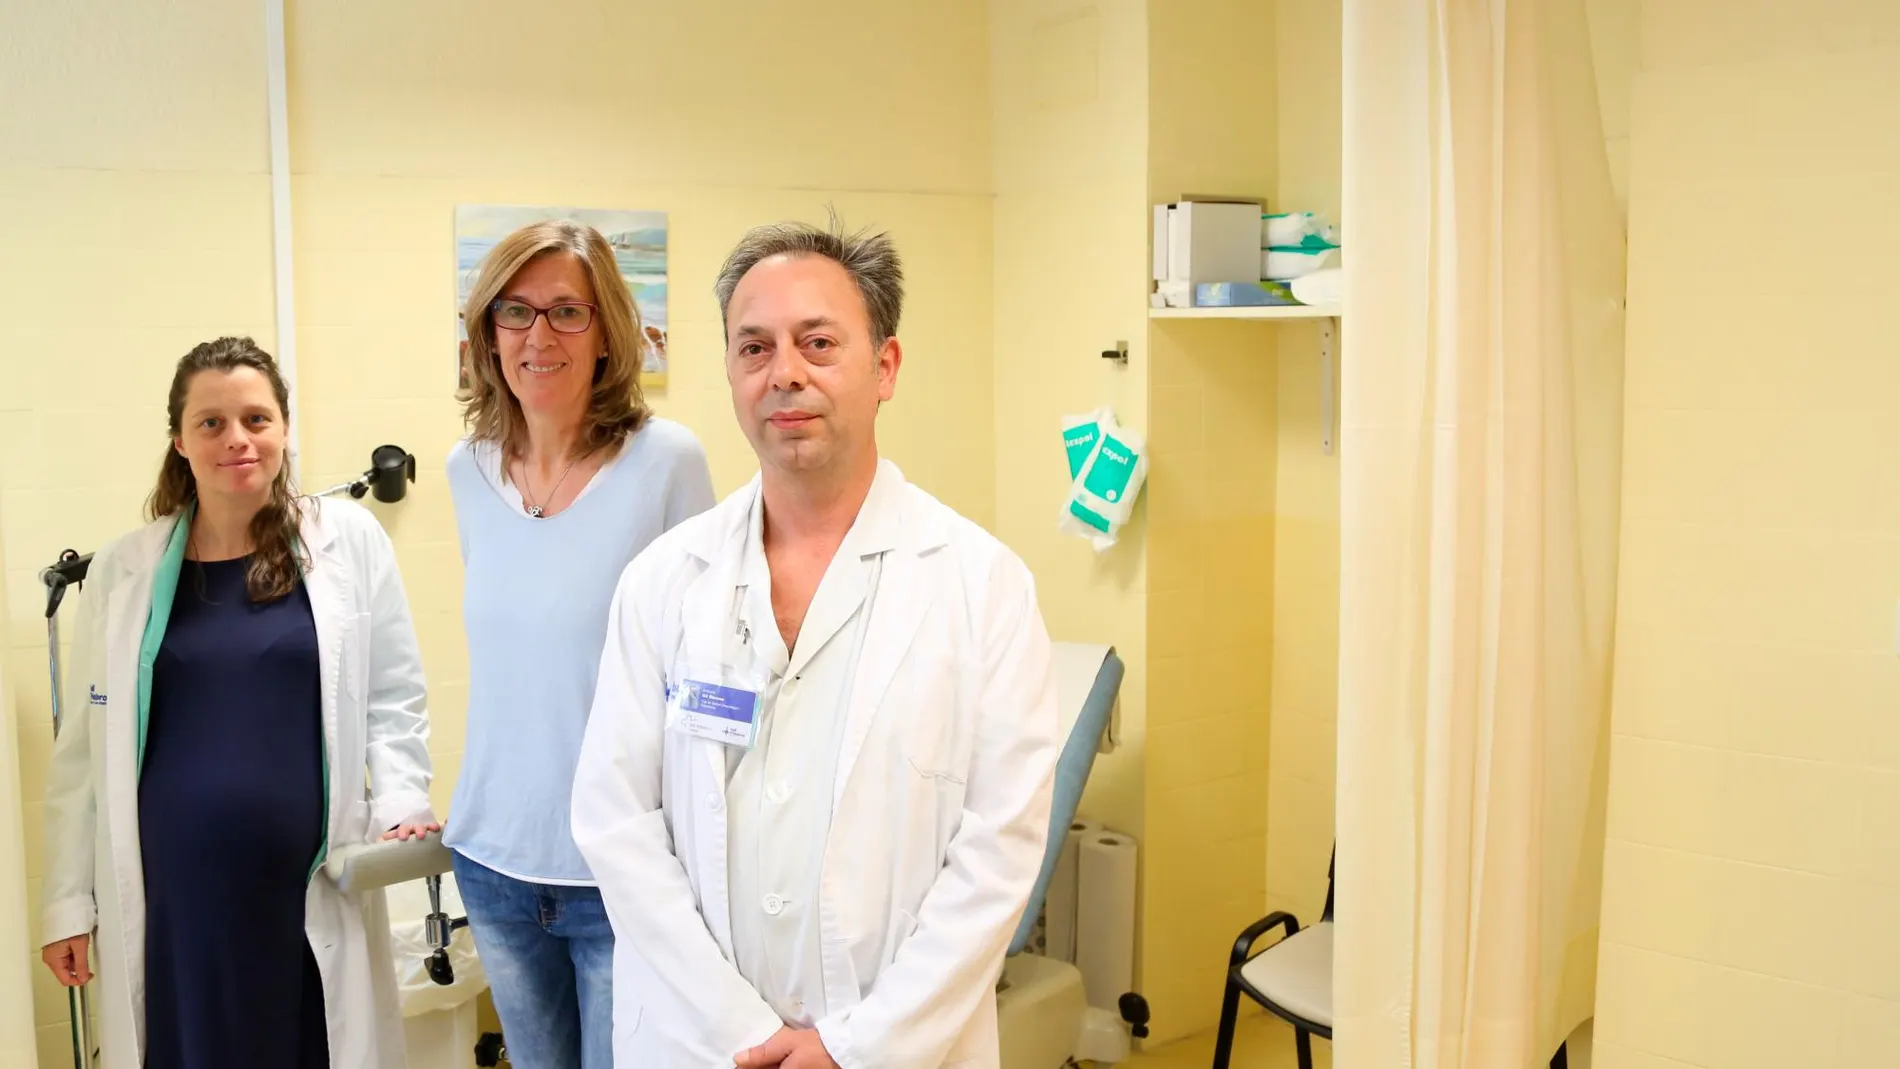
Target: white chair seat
1296	974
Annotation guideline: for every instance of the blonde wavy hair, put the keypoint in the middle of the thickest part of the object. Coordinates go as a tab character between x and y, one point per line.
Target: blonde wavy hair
617	408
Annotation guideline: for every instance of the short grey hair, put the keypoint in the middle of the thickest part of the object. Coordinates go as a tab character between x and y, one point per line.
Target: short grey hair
870	258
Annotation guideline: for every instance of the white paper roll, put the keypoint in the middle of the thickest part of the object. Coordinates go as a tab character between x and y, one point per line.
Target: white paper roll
1105	917
1058	906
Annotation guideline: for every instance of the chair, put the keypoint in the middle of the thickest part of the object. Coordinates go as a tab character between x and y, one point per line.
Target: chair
1293	979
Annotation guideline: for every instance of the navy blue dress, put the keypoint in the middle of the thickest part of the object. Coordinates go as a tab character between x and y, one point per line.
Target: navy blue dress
231	817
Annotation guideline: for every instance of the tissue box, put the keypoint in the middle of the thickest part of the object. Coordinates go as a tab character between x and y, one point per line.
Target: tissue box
1242	294
1206	241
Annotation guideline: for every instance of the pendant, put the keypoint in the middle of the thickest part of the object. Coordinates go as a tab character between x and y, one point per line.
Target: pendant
535	511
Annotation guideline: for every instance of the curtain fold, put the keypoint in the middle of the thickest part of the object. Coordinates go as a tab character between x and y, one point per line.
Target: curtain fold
1480	449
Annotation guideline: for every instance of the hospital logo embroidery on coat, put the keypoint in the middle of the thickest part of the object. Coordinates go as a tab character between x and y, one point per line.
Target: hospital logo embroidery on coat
93	696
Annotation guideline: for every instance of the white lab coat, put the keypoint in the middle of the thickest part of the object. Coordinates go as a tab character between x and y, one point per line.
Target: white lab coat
940	809
374	721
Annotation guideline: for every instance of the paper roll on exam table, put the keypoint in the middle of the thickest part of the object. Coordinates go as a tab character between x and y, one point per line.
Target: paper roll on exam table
372	866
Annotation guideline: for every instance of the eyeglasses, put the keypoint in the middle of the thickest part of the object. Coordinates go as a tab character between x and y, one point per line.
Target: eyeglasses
571	317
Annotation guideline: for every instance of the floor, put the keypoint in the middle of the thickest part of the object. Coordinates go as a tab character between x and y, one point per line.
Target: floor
1260	1042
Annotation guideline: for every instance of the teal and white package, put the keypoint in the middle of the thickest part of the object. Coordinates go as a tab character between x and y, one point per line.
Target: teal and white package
1285	265
1297	230
1079	435
1102	491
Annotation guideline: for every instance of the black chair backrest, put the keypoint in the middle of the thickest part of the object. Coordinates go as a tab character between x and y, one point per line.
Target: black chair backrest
1326	913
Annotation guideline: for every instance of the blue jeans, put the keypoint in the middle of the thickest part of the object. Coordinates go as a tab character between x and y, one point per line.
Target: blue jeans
549	955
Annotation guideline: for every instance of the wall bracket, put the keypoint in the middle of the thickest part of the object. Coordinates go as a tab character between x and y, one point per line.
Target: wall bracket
1328	383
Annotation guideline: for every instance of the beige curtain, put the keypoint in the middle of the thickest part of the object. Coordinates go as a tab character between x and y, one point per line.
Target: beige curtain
16	928
1481	420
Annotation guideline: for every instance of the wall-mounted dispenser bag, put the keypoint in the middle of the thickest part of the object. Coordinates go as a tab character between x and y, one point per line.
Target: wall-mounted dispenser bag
1107	465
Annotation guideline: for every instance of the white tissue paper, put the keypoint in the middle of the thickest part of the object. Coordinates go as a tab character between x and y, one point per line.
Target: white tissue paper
1323	287
1107	465
1282	265
1106	865
1059	906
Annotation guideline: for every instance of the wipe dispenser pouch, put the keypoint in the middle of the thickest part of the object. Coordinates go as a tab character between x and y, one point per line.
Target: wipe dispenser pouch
1107	465
1297	230
1079	435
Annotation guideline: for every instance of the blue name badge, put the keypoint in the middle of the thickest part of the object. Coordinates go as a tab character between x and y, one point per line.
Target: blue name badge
722	714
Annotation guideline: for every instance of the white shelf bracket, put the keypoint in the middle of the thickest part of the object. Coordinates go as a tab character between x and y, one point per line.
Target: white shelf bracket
1328	382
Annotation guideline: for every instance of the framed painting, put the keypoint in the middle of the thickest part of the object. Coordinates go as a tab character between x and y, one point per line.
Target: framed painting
639	243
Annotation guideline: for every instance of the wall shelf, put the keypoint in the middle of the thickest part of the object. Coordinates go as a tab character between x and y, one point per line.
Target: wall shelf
1271	311
1329	316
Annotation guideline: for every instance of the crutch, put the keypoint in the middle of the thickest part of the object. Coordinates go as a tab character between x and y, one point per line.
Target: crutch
70	569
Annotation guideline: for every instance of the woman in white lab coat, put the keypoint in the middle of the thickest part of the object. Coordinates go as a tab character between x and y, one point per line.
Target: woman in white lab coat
240	666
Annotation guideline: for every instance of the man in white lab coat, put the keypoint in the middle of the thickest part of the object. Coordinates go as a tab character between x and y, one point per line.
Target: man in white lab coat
816	781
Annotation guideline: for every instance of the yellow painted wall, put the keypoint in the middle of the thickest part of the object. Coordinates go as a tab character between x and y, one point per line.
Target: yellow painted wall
1212	388
1614	41
1754	816
16	984
1306	504
133	162
132	165
1069	101
395	120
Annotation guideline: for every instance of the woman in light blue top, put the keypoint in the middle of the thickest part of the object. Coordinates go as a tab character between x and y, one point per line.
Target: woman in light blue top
564	477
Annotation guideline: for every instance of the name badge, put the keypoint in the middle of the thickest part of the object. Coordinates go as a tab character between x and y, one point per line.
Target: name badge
707	710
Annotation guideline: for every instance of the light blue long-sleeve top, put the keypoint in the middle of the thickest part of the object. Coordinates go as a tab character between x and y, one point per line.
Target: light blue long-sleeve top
535	598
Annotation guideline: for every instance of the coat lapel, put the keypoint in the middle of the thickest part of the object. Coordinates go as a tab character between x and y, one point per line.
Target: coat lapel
327	581
705	621
163	590
840	594
896	612
707	613
127	611
898	602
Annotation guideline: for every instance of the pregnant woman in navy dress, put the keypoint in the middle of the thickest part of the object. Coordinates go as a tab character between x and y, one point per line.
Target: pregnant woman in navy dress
252	697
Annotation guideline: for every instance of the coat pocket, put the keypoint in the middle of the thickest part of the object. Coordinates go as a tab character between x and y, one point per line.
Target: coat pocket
936	735
936	800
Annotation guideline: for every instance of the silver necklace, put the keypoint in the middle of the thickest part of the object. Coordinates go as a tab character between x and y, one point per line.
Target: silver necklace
537	511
